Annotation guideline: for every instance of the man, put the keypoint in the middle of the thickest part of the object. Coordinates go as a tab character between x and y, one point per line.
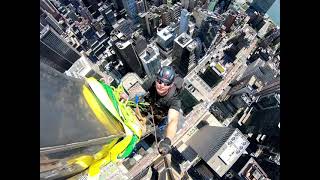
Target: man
163	97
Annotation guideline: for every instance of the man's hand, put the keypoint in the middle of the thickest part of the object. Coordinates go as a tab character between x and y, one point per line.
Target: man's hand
164	146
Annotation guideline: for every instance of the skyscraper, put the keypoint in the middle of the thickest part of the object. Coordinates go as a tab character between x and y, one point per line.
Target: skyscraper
140	6
165	15
229	21
72	15
67	119
222	110
153	22
125	50
274	12
184	54
208	30
185	3
124	26
251	170
175	11
90	34
212	5
130	57
269	39
248	85
139	42
53	23
193	4
84	12
265	117
272	87
264	29
262	5
118	5
131	9
184	20
82	68
150	59
41	27
157	3
222	6
56	51
50	8
165	38
199	15
264	73
108	14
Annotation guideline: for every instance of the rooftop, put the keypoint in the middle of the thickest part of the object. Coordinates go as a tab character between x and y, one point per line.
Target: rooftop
183	39
123	44
192	46
152	52
219	67
130	79
251	170
166	33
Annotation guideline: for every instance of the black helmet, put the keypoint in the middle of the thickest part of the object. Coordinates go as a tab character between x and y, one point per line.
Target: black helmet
166	75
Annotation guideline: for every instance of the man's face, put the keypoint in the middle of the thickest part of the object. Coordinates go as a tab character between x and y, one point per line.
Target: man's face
162	88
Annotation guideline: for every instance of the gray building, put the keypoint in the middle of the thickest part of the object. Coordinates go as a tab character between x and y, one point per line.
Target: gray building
165	14
139	42
271	87
140	6
175	11
49	7
208	30
263	73
150	59
184	54
150	22
249	85
41	27
124	48
132	84
124	26
108	14
84	12
56	50
118	5
219	147
262	5
222	110
53	23
189	4
165	37
199	15
252	170
84	68
131	9
72	15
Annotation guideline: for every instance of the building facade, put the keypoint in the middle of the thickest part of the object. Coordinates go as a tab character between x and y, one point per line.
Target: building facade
56	50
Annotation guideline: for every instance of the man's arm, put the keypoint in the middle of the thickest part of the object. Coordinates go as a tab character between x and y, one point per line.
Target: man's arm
165	144
173	119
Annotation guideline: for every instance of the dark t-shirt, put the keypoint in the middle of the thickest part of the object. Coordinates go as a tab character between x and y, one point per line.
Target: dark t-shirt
161	104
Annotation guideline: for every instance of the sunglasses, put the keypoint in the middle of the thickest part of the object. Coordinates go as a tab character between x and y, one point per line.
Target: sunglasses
164	83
